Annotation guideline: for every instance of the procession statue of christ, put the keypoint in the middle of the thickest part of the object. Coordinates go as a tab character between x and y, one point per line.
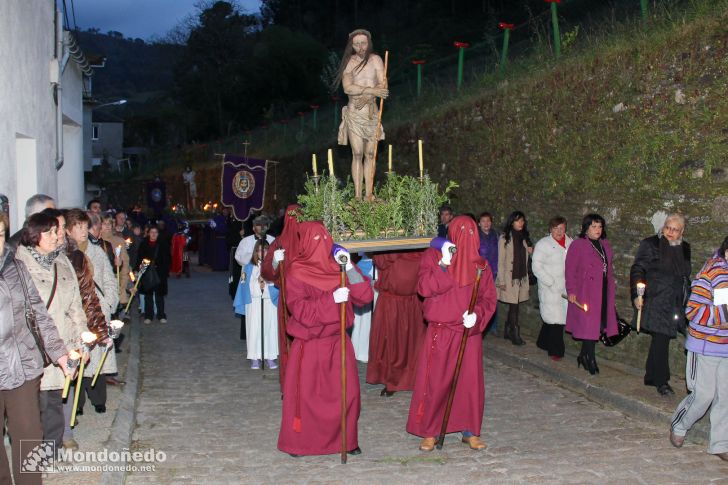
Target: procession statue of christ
362	75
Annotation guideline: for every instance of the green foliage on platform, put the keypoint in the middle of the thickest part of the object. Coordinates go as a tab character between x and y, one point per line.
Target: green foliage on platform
404	206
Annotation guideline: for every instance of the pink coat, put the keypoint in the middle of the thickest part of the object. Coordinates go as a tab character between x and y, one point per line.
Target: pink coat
584	279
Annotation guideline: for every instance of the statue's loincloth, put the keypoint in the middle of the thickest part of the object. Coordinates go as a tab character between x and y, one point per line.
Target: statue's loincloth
361	125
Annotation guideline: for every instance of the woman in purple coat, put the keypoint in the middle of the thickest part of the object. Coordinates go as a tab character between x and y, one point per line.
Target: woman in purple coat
590	288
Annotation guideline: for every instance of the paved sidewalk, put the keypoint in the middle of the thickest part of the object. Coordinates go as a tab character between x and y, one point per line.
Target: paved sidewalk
217	420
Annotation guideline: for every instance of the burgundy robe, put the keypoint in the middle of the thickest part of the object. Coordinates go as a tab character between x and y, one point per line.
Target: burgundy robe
398	327
311	417
444	305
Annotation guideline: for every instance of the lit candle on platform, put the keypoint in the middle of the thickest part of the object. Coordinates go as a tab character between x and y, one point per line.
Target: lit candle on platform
330	154
315	167
390	158
422	162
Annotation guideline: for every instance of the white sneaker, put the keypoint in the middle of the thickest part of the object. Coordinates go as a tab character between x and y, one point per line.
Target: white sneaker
147	321
255	364
162	320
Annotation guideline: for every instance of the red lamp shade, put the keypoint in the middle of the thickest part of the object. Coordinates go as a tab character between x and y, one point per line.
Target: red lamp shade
284	122
504	26
552	1
301	113
418	61
461	45
314	106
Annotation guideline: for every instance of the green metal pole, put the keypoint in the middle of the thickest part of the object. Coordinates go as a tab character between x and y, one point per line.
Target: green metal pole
461	62
419	80
643	6
315	123
504	51
557	35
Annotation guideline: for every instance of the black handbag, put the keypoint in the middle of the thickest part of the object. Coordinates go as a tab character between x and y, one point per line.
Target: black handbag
623	329
150	278
30	318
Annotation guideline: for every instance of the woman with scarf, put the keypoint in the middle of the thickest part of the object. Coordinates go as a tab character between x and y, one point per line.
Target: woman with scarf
311	415
104	280
446	284
283	248
663	264
55	279
514	249
589	274
154	248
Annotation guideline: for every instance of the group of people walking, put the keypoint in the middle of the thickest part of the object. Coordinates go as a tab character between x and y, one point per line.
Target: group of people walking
430	302
64	277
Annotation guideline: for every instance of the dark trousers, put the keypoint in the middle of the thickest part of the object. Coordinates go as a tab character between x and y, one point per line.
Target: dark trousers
51	416
21	407
657	367
512	319
551	339
96	394
152	298
588	349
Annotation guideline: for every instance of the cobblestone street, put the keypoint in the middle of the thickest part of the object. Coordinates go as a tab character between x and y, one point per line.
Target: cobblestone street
217	420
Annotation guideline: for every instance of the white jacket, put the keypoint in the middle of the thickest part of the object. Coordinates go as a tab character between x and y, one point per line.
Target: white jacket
548	266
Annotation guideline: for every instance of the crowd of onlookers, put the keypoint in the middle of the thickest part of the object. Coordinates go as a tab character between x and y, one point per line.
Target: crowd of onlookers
65	276
576	292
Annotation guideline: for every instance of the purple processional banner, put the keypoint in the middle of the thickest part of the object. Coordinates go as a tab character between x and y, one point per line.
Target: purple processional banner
243	184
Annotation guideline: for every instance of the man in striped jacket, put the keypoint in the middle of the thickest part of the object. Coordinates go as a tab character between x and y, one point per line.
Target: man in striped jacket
707	366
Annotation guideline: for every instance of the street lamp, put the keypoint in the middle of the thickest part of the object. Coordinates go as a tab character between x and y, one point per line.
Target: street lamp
113	103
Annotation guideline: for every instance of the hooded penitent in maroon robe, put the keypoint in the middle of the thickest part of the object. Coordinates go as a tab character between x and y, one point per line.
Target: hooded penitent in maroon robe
398	327
311	417
447	293
288	240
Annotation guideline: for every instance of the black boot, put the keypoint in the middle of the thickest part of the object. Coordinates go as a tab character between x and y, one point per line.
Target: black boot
516	335
507	330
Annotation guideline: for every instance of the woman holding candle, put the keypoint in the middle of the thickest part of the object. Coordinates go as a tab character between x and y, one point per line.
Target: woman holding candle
590	288
21	368
121	256
311	416
662	263
155	250
55	280
78	229
512	278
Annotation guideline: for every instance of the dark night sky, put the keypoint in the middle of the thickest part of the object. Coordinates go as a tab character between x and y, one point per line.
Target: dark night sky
138	18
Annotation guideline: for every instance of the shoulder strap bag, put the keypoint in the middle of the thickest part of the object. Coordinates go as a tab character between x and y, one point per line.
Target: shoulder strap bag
30	318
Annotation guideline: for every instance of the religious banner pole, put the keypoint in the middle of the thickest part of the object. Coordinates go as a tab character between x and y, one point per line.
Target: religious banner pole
379	122
461	352
262	320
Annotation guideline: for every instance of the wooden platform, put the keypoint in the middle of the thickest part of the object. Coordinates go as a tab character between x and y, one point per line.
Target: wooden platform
382	245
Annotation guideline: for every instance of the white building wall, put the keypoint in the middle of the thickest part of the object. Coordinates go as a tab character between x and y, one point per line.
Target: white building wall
27	124
70	175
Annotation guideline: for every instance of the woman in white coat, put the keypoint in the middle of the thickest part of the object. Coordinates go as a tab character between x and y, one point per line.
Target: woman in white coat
549	257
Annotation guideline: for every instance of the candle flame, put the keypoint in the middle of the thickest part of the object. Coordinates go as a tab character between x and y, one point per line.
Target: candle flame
74	355
116	323
88	337
146	261
585	307
132	277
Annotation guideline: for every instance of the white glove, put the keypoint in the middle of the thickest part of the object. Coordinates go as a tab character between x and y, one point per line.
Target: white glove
341	295
469	319
349	264
446	254
278	256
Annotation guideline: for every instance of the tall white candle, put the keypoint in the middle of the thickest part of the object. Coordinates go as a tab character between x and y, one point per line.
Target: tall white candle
422	163
313	162
331	162
390	158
